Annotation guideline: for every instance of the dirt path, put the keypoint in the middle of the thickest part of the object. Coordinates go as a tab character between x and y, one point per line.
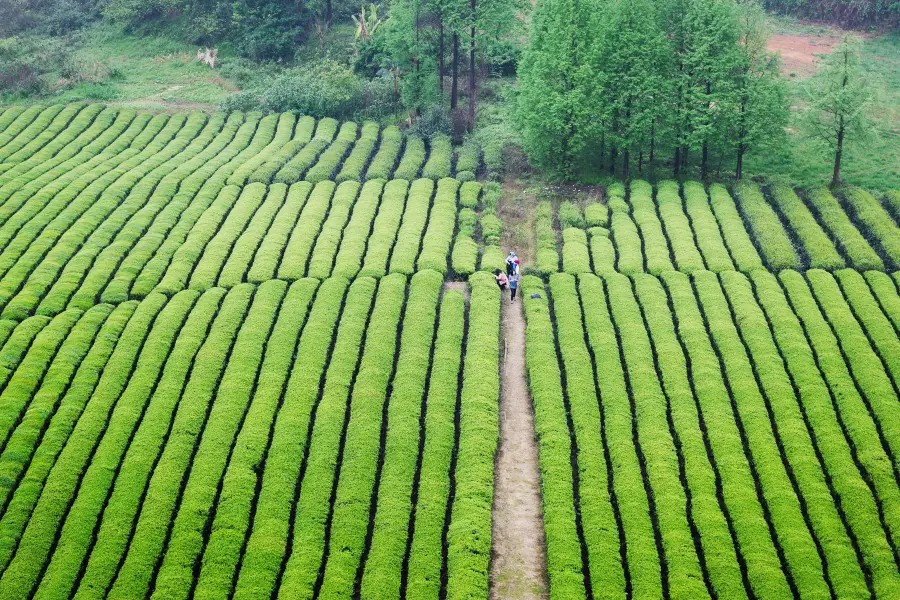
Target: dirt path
519	565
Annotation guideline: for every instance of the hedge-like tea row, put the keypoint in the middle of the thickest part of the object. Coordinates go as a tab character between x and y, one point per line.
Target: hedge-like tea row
330	160
440	158
161	209
786	512
879	224
385	159
297	166
701	480
841	460
273	162
415	217
363	439
742	250
657	447
823	518
148	261
29	280
384	231
656	249
770	235
816	244
413	158
582	379
26	195
354	239
845	234
706	229
863	433
864	363
624	233
359	157
384	564
576	258
547	258
569	215
319	480
81	467
283	132
469	530
631	500
441	225
270	527
564	562
596	215
274	242
426	551
603	254
41	232
678	229
468	160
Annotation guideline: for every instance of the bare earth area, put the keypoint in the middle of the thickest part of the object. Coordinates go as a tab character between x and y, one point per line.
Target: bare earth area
801	53
519	561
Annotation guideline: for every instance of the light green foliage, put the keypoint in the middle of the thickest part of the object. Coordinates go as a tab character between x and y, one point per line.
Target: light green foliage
426	552
742	251
439	158
880	227
441	224
656	249
469	530
845	234
469	192
678	229
547	259
569	215
576	259
413	158
770	236
841	97
596	214
822	253
385	159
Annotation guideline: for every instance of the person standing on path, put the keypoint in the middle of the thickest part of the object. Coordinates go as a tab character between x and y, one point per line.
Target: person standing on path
512	263
513	284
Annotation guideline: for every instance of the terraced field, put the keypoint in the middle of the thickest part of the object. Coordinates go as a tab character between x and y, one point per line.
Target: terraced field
232	366
715	389
208	323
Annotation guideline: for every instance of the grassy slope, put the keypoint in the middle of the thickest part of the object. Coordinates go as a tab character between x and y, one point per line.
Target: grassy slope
875	166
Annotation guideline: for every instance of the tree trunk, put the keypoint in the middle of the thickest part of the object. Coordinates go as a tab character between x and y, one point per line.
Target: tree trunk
839	151
641	162
677	161
327	12
613	154
739	171
472	73
441	55
652	141
454	85
625	164
704	165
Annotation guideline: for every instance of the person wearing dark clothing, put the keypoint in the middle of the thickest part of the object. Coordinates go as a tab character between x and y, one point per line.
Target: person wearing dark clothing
513	285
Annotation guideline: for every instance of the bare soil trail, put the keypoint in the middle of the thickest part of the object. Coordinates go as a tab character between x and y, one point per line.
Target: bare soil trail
519	558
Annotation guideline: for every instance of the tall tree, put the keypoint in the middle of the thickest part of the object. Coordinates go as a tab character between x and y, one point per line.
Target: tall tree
633	55
840	98
762	109
553	101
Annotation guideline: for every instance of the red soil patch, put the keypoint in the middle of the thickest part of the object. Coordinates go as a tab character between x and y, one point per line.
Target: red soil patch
801	53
